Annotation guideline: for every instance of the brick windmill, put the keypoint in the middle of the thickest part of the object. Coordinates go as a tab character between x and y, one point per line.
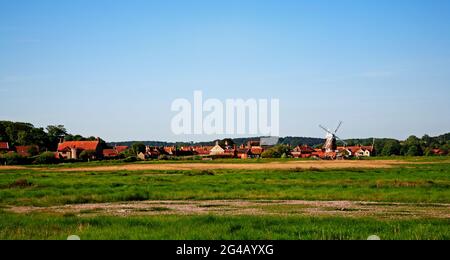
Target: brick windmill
332	138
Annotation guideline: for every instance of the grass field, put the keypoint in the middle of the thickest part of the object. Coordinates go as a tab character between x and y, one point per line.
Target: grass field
45	195
217	227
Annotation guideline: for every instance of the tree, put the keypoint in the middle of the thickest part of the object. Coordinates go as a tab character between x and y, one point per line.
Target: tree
33	151
39	137
277	152
22	138
412	140
15	131
55	133
428	152
379	146
74	138
46	158
414	151
12	159
404	150
87	155
391	147
138	148
3	137
413	146
427	140
445	148
226	142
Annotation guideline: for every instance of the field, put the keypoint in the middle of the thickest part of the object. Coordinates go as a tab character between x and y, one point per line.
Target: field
274	199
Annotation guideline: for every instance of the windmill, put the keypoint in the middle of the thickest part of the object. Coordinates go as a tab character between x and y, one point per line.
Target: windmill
331	143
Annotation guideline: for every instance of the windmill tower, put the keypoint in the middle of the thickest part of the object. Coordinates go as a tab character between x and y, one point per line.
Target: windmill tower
332	138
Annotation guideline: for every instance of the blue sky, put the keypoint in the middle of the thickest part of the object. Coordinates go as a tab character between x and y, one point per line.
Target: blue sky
111	68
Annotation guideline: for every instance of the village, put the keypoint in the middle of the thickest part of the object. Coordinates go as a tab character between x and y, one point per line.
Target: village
93	148
253	150
73	150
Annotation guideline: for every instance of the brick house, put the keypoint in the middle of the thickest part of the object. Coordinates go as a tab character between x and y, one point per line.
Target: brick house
73	149
252	150
243	153
256	152
114	152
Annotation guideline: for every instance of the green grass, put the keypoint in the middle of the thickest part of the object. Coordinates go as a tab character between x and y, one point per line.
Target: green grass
443	159
36	186
53	227
177	161
423	183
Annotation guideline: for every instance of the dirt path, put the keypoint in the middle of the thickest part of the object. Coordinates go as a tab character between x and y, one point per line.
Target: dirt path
3	167
243	166
232	208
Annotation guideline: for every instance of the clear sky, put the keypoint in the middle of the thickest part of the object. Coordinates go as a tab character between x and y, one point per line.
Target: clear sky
111	68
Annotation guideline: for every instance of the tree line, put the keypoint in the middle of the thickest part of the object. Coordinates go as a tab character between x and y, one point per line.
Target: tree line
22	134
26	134
412	146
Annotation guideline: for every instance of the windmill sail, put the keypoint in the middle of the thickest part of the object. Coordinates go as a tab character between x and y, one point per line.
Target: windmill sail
337	128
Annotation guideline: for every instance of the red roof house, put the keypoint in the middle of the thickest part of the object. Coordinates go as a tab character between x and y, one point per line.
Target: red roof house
72	149
170	150
256	152
224	151
25	150
109	153
438	152
202	150
360	151
114	152
243	153
121	149
303	151
155	152
4	146
318	153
